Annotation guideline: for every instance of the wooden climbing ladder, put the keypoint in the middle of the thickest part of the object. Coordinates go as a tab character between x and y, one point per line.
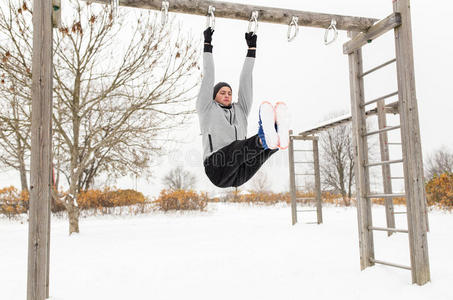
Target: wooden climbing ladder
314	172
411	158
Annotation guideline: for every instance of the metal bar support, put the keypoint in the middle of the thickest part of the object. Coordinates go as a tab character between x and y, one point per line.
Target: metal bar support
380	98
390	264
379	67
388	162
388	229
382	130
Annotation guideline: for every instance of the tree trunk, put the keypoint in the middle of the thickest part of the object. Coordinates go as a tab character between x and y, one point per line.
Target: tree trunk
73	215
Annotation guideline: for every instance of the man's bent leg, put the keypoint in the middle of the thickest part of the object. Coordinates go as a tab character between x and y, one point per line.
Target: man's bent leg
249	168
222	166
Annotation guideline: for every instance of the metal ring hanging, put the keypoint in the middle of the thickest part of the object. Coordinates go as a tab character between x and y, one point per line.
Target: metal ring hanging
210	19
294	24
164	12
254	21
333	26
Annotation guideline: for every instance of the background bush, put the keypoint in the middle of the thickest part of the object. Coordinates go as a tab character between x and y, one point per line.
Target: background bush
181	200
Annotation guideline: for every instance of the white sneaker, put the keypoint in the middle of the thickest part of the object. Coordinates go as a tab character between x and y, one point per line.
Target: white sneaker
282	121
267	132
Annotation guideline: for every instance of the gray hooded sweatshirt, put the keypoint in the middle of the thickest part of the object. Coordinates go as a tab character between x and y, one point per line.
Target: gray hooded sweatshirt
221	126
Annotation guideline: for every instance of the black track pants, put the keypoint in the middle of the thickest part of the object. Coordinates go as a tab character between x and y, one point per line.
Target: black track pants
236	163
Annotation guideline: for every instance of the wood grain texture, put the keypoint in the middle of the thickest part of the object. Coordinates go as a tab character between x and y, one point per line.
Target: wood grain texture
360	146
372	33
386	172
292	178
41	148
243	12
411	146
317	181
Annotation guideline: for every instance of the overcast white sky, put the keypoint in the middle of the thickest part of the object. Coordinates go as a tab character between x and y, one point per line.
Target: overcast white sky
313	78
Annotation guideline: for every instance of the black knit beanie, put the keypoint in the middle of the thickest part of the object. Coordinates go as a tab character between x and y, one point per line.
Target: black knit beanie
218	86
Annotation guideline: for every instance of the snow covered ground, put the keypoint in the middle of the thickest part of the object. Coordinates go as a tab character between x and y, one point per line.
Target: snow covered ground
230	252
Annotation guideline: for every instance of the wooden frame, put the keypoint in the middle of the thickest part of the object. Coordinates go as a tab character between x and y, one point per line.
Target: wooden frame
293	174
39	224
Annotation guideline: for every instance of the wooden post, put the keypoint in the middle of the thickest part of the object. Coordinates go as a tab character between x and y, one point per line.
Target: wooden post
56	13
317	180
292	178
386	173
411	145
41	147
361	159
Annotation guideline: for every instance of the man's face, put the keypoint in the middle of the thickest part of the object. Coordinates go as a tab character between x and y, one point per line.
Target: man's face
224	96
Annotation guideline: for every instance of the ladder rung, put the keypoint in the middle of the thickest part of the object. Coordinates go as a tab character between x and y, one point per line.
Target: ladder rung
380	98
389	264
393	143
306	198
311	223
304	162
385	195
399	212
307	210
378	67
304	174
303	150
387	229
382	130
387	162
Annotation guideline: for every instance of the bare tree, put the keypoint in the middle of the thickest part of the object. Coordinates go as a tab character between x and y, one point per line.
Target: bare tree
337	166
438	162
179	179
119	87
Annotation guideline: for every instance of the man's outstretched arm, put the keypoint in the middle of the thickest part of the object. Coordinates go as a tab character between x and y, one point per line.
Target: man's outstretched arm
204	99
245	93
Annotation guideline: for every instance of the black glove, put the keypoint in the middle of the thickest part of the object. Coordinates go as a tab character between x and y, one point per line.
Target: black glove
250	37
208	35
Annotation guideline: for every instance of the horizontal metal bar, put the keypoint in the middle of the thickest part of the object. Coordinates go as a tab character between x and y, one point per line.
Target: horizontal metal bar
393	143
396	177
387	229
306	174
382	130
385	195
399	212
378	67
387	162
307	210
312	223
379	99
304	162
306	198
389	264
303	150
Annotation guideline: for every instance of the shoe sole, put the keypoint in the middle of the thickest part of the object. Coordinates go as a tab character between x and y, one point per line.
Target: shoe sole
267	116
282	120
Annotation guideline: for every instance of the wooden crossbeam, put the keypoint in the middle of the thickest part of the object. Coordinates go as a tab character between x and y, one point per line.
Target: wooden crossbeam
243	12
392	21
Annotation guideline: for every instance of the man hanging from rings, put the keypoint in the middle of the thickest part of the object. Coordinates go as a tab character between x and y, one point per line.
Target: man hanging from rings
230	158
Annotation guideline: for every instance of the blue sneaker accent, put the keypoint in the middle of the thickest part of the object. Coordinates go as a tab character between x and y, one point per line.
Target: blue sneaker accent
261	134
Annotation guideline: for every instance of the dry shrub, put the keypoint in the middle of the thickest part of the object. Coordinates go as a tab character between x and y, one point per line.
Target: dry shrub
181	200
396	201
439	191
109	198
13	202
